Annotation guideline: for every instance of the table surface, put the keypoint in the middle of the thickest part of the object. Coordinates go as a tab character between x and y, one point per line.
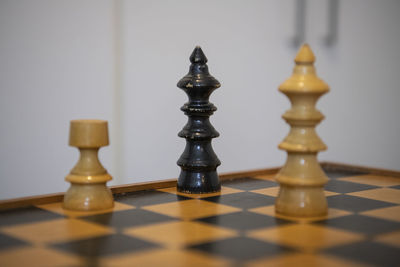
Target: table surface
237	227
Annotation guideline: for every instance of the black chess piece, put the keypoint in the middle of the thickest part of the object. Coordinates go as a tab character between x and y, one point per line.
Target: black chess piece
198	162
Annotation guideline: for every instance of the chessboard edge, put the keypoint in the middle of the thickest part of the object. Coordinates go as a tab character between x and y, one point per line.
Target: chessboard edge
8	204
335	166
117	189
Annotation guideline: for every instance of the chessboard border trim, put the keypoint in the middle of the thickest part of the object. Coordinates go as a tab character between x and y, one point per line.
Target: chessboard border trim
335	166
118	189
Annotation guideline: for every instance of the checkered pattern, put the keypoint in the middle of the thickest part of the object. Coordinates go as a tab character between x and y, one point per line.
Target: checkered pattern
237	227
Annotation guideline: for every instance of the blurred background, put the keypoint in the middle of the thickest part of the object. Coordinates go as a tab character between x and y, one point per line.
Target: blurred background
120	61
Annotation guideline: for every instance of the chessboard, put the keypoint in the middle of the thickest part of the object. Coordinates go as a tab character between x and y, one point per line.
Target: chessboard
237	227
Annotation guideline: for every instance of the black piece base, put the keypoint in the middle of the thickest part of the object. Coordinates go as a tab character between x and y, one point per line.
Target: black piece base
198	182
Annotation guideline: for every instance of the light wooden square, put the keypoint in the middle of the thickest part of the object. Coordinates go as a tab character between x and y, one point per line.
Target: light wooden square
37	256
56	231
191	209
304	260
382	194
269	177
270	210
165	257
179	234
224	191
392	239
57	208
376	180
306	237
273	192
390	213
269	191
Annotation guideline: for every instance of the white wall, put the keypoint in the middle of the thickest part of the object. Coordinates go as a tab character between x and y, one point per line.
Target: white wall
56	64
120	61
241	42
377	103
362	109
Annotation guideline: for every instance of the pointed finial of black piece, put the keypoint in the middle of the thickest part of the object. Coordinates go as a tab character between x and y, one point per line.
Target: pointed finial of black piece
198	56
198	76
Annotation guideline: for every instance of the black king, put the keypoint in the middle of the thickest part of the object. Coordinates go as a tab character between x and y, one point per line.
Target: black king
198	162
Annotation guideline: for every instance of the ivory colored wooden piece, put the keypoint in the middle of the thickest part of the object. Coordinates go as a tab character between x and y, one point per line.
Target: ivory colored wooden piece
88	178
302	179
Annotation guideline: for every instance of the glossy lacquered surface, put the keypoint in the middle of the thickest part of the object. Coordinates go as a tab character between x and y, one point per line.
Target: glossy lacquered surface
198	161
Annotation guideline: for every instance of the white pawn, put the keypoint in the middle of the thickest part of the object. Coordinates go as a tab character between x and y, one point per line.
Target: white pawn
88	178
